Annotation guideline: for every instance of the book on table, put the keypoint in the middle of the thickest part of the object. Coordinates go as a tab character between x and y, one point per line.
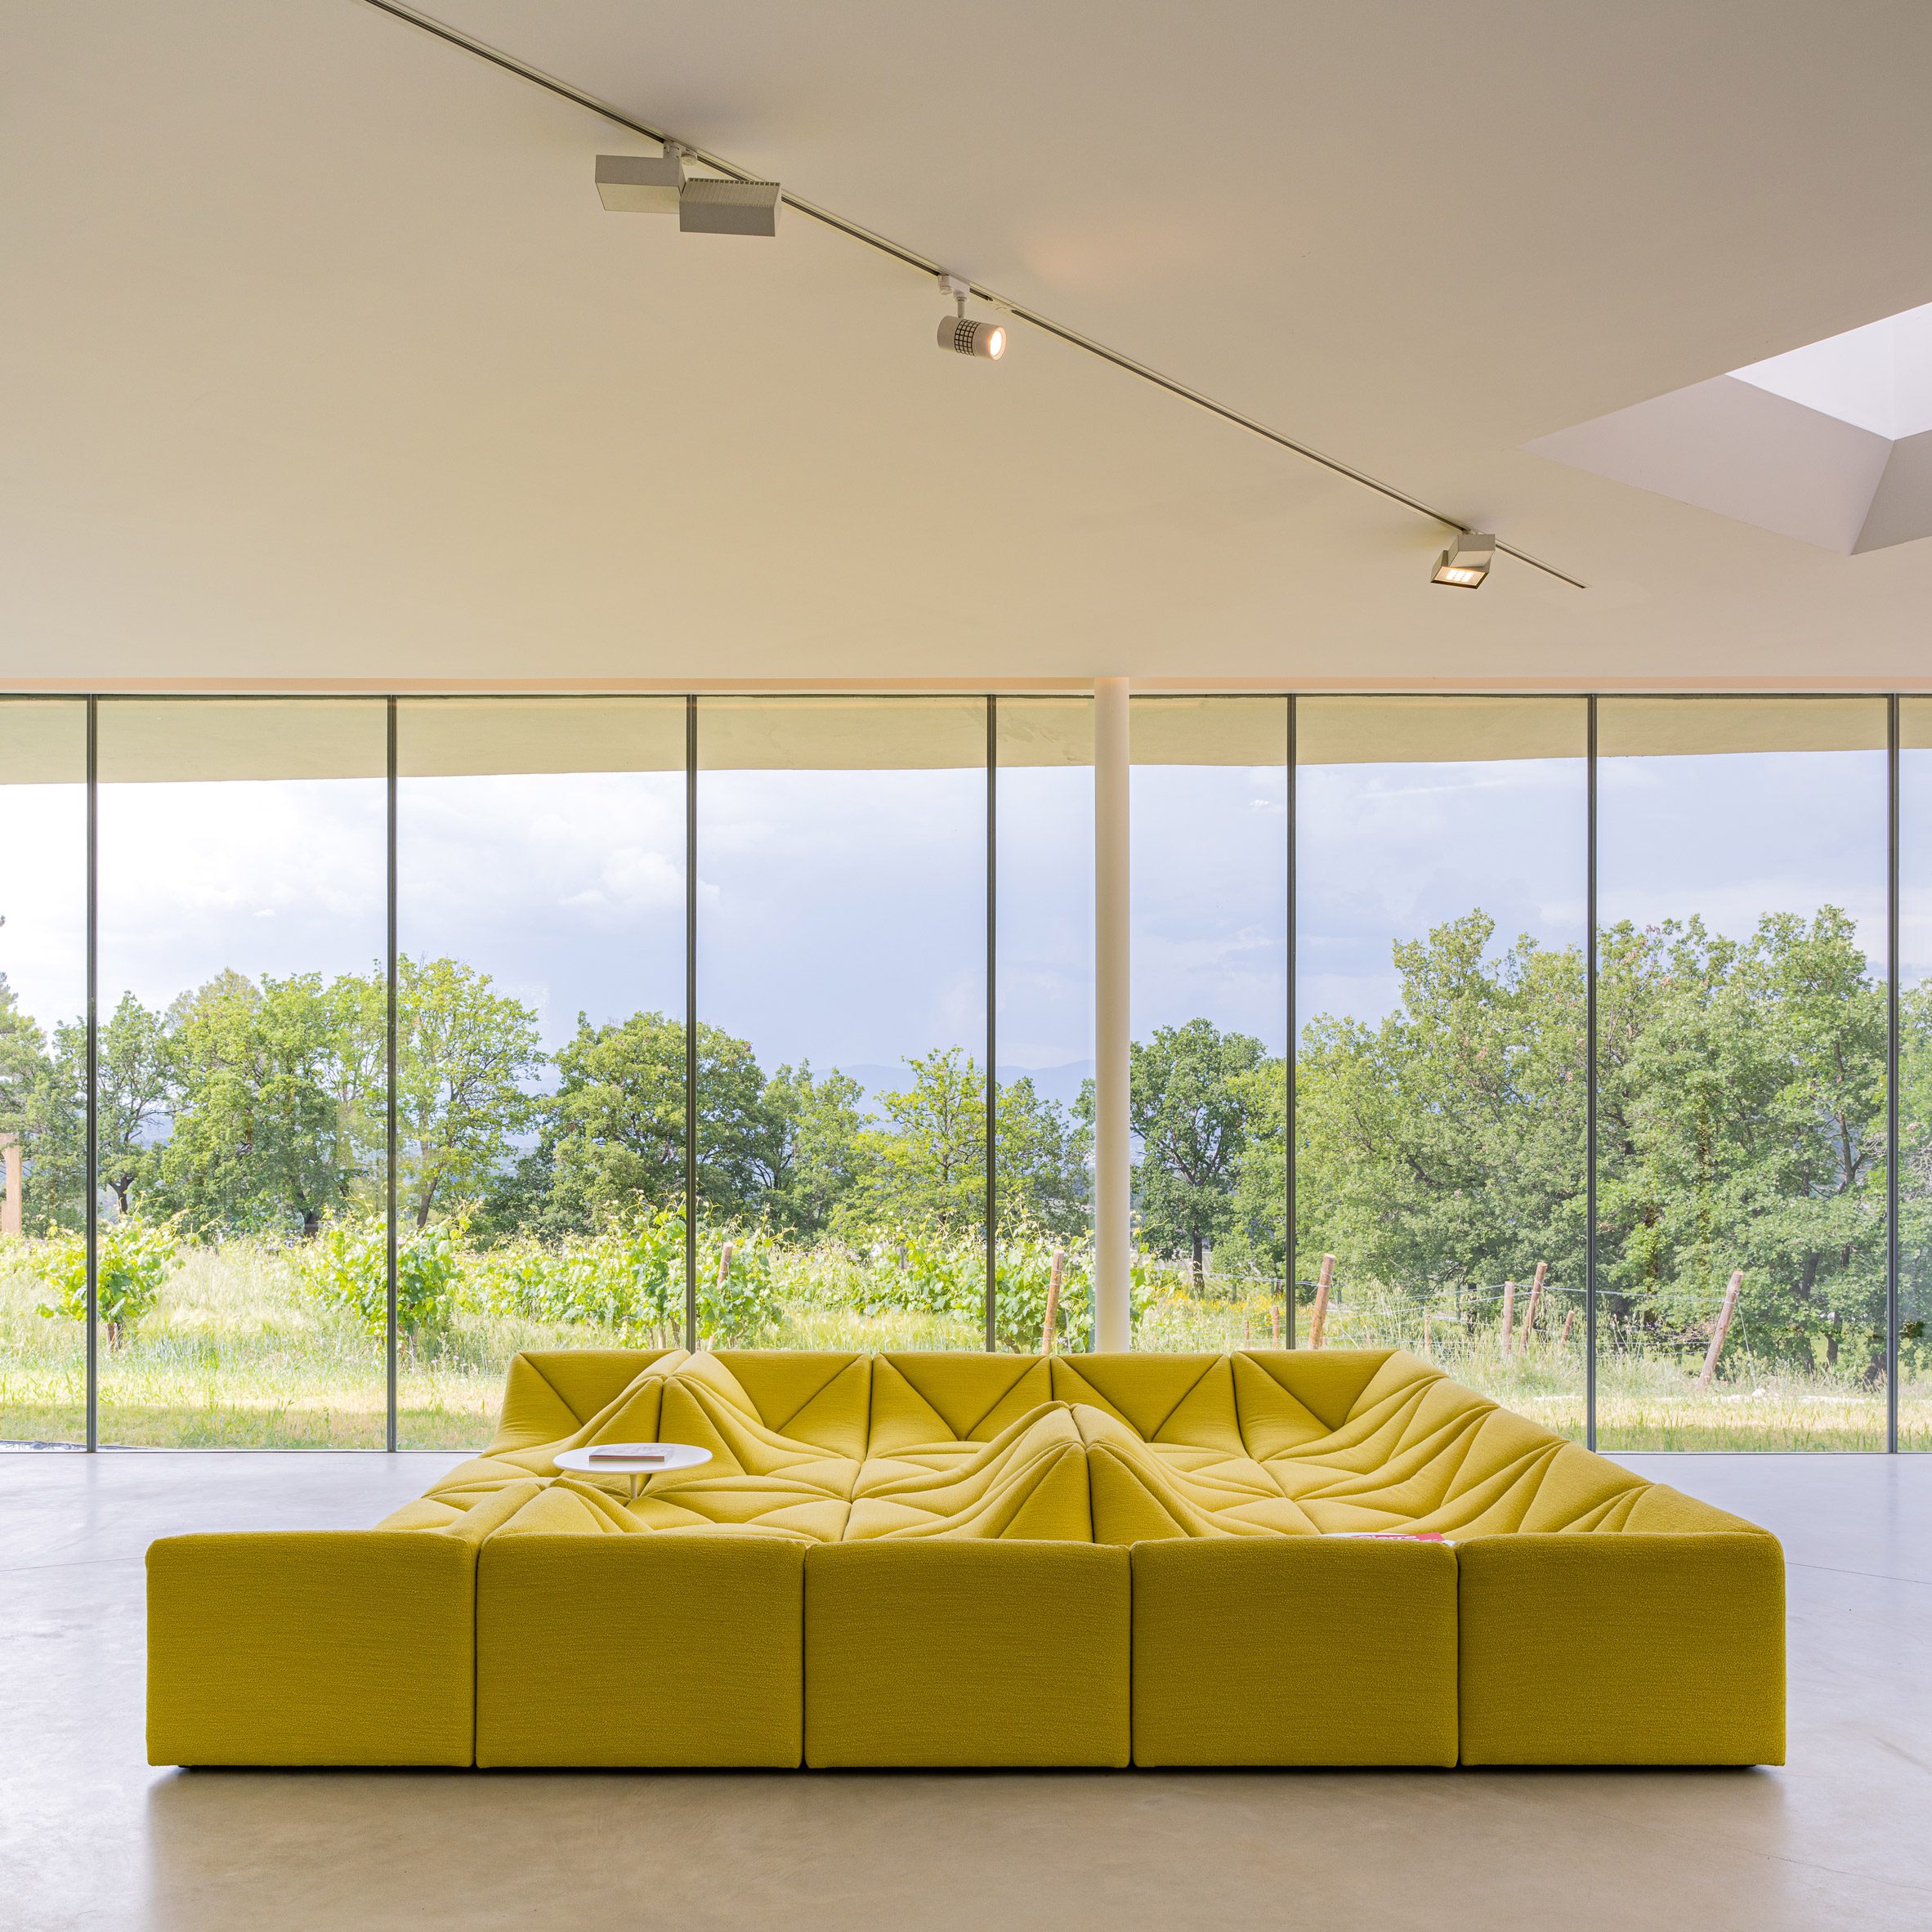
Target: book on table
1395	1537
628	1452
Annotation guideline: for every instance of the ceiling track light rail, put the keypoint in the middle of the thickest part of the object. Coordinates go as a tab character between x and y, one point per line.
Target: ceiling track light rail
913	259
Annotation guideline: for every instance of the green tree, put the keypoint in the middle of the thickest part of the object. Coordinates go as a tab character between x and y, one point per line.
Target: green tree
132	1091
1740	1120
1193	1103
614	1137
42	1101
270	1082
818	1154
1042	1163
925	1154
463	1054
23	1063
1740	1107
1443	1147
924	1161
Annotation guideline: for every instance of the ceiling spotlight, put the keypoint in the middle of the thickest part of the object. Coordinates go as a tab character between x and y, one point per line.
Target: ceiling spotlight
642	183
987	340
656	185
1466	561
708	207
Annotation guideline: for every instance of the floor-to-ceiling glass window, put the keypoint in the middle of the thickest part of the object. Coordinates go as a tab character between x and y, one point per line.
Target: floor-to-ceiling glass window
43	877
1442	867
540	1008
842	899
841	1022
1043	1142
1742	881
240	1107
1915	1073
1209	1079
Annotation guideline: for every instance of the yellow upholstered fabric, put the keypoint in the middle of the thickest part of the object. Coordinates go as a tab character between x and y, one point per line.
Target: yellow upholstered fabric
551	1398
1294	1650
1635	1648
706	1405
988	1652
1162	1398
1143	1490
943	1558
1030	1481
823	1400
345	1646
934	1400
598	1647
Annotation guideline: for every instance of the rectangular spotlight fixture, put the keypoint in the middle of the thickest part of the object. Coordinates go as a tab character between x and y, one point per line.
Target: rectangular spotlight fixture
640	183
1466	561
708	207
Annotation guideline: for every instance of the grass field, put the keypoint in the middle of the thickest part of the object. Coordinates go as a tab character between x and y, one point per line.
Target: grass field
239	1354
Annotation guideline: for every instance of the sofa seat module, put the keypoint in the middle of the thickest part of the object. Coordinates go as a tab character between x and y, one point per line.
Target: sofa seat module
1267	1558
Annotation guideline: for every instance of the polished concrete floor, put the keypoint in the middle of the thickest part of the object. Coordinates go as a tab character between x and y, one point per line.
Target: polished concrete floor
90	1837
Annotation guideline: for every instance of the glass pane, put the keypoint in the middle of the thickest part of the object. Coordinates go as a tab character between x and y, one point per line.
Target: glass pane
1915	1073
842	949
1044	1144
540	1042
43	999
240	1107
1440	975
1741	1178
1209	1084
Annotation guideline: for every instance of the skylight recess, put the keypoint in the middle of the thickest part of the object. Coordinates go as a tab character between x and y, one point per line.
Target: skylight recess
1878	377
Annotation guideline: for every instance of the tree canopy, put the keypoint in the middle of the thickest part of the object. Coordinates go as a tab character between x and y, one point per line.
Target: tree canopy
1741	1109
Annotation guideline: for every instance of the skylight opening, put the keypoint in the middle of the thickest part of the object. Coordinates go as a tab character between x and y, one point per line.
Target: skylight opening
1878	377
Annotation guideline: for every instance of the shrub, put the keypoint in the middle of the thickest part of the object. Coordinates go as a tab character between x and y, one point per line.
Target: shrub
738	1303
1023	1280
629	1278
136	1259
347	1268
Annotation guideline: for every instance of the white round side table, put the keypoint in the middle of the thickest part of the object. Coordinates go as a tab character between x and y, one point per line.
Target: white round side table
644	1460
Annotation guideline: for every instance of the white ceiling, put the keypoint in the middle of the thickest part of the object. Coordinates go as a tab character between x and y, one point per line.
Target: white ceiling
322	362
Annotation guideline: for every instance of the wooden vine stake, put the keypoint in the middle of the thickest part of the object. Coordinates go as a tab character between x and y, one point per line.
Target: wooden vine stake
1722	1330
1506	1330
1569	1322
1535	1300
1324	1281
726	1255
1053	1282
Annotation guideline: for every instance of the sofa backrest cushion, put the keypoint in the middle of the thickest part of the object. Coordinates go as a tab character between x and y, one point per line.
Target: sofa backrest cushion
1181	1399
935	1397
1326	1383
549	1394
820	1397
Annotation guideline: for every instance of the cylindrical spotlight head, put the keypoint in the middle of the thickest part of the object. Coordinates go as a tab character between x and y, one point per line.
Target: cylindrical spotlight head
987	340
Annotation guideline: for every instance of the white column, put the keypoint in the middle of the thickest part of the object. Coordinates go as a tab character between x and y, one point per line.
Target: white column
1113	1160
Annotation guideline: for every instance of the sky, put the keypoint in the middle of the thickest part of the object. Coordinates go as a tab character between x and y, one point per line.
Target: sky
840	913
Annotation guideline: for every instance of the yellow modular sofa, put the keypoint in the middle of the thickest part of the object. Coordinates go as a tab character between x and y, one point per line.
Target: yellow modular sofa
1276	1558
